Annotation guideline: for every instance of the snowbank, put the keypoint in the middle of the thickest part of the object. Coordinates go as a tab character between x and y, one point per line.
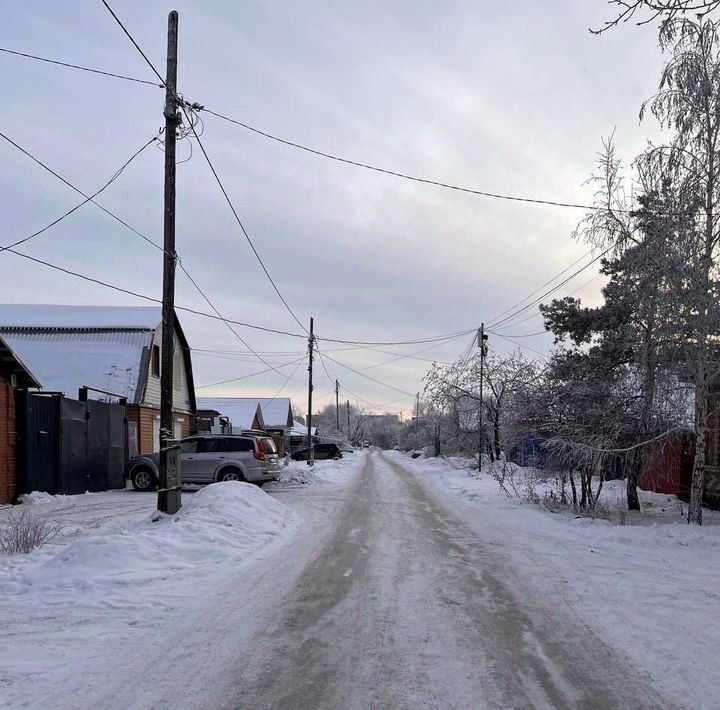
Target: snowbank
81	602
40	498
650	587
218	523
324	471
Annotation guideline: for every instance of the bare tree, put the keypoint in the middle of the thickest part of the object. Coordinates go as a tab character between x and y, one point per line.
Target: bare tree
647	11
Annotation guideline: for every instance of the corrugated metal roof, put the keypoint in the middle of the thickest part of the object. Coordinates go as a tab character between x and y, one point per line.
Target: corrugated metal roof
66	361
21	315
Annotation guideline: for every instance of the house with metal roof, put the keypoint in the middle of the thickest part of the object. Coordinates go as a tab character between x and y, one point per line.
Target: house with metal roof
114	352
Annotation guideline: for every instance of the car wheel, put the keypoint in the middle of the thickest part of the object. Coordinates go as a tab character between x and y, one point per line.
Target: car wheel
143	479
230	474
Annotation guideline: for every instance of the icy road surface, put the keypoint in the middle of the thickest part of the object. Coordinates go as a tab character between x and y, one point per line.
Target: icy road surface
388	599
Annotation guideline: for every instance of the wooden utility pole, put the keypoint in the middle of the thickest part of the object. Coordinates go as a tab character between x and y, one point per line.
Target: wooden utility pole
481	337
417	412
337	405
169	496
347	405
310	443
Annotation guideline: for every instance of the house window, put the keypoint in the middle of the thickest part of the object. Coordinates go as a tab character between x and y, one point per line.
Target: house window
156	361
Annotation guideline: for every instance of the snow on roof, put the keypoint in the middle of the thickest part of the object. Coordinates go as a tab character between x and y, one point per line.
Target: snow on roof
299	429
21	315
275	411
10	362
64	362
240	412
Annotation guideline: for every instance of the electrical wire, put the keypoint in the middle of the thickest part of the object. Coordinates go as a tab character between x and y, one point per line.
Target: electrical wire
368	377
77	66
517	312
238	220
224	320
542	286
145	297
405	176
84	202
88	198
252	374
137	46
418	341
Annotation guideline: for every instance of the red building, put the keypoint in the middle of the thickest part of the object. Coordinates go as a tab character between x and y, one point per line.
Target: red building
13	375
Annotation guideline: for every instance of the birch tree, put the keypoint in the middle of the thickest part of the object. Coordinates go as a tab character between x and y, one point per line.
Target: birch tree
688	105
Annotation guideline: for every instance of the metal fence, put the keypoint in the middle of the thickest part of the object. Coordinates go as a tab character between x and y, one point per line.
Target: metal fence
68	446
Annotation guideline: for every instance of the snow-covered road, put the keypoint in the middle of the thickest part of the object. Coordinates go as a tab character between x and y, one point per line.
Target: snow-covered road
387	599
364	583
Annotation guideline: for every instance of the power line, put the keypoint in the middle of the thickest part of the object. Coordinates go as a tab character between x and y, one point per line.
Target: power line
88	198
372	404
84	202
418	341
552	290
137	46
252	374
77	66
239	221
368	377
145	297
542	286
405	176
227	324
520	345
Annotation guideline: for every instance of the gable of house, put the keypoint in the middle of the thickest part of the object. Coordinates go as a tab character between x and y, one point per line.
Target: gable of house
104	348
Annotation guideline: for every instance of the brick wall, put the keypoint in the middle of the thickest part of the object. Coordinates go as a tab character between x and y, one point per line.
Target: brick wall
8	481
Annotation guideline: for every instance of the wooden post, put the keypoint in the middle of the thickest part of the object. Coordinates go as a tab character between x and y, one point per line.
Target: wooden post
311	445
169	500
481	424
337	405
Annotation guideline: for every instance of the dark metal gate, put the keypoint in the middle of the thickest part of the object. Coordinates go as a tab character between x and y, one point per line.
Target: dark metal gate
71	447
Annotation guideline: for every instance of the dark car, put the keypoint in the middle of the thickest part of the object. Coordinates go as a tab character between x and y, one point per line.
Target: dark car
322	451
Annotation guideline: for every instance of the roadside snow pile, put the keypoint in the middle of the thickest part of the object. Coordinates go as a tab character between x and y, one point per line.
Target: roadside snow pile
649	587
40	498
125	573
220	523
324	471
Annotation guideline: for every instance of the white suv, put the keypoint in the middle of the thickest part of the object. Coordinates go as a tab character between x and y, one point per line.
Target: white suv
209	458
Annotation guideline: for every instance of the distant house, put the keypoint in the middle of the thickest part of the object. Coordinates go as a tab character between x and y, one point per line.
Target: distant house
226	414
252	412
14	374
113	351
210	421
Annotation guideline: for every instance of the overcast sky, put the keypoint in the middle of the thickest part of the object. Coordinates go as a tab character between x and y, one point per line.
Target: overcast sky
511	98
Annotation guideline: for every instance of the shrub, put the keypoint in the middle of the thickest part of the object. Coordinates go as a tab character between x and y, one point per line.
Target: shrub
23	531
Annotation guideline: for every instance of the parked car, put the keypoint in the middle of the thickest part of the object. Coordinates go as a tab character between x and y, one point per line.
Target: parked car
322	451
207	459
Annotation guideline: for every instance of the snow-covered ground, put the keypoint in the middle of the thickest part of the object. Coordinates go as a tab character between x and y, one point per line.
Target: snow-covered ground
118	576
651	587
